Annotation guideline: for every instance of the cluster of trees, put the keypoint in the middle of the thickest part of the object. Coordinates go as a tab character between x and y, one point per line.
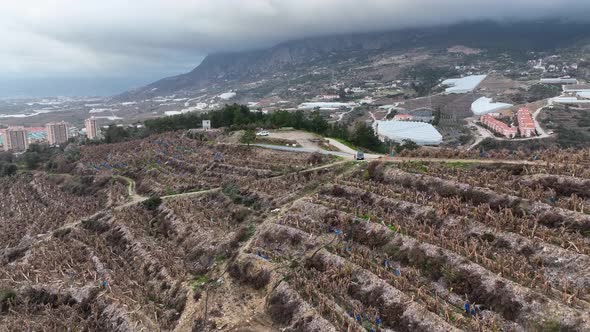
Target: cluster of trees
41	156
428	77
115	134
572	138
7	165
238	117
535	93
437	115
406	145
542	91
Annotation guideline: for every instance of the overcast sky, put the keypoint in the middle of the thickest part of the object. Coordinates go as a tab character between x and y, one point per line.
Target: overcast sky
126	43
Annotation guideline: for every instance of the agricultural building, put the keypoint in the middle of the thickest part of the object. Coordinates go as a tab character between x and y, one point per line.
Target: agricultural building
419	132
485	105
463	85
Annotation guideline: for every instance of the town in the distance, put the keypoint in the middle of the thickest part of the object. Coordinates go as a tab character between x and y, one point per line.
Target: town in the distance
17	138
420	120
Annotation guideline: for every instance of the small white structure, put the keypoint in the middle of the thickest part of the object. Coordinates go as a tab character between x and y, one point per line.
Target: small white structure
575	88
419	132
569	100
206	124
367	100
324	106
485	105
559	81
227	95
463	85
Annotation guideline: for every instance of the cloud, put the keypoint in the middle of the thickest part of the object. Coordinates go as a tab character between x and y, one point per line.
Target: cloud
120	37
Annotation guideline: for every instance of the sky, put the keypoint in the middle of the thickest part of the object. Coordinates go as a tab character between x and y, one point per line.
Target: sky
103	47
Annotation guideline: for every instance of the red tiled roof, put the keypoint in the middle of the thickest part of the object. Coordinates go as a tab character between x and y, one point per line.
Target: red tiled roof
525	120
498	126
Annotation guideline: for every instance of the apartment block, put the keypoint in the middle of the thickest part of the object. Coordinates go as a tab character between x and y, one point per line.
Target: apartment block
498	126
15	139
57	132
92	128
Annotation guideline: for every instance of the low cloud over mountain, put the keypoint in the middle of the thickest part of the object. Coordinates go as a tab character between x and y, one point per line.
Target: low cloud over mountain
112	38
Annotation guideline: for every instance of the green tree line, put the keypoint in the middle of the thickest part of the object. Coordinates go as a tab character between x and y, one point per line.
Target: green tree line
239	117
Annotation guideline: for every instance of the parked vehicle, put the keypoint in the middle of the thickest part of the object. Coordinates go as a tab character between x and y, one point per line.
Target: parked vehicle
263	133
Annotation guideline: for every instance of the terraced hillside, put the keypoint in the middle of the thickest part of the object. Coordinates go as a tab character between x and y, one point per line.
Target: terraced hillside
269	241
170	163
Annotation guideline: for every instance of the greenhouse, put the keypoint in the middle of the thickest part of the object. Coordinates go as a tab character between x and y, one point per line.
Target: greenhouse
463	85
485	105
419	132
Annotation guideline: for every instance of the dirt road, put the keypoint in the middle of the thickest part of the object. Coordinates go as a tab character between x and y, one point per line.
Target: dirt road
305	139
465	161
351	151
419	159
350	154
540	131
309	143
482	132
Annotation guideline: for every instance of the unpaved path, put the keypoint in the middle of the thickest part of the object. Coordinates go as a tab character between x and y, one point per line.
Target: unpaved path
194	193
346	149
540	131
309	143
347	154
465	161
305	139
482	132
341	116
134	197
305	150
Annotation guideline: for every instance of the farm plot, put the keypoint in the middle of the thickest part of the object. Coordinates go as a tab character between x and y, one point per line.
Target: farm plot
170	164
124	269
36	204
300	244
379	247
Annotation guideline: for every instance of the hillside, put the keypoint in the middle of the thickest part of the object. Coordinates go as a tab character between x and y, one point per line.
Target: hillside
249	239
288	60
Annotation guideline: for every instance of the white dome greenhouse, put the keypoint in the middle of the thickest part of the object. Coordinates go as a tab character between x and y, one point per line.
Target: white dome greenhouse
419	132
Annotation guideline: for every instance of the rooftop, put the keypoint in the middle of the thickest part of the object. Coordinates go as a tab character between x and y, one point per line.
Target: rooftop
487	119
576	87
419	132
525	120
463	85
569	100
324	105
485	105
559	80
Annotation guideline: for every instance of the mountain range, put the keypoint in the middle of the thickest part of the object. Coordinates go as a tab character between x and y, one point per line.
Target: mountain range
227	70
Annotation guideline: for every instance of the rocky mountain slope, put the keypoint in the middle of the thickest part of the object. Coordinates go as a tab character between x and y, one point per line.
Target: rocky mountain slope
223	71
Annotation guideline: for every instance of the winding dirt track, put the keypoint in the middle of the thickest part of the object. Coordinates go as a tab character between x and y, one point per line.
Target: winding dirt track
413	159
